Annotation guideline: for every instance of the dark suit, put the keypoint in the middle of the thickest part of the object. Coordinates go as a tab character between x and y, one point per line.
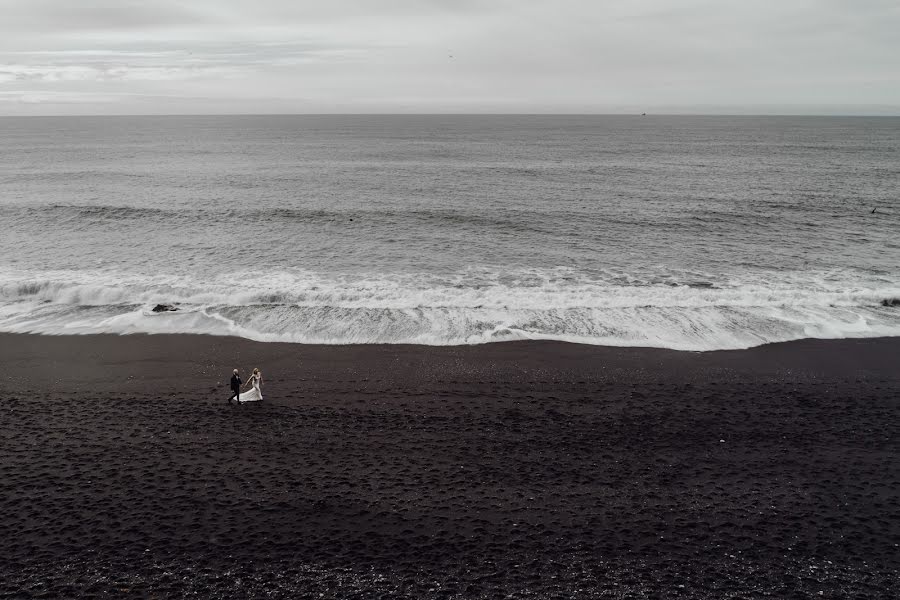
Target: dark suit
235	387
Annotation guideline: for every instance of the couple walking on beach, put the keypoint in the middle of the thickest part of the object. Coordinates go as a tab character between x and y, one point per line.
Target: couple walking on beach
251	396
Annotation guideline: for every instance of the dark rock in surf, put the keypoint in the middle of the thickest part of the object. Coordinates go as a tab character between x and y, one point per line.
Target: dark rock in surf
891	302
164	308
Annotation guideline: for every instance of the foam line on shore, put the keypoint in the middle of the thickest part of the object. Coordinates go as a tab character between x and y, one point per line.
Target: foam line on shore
484	307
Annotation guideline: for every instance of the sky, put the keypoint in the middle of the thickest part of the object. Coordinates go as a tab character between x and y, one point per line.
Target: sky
449	56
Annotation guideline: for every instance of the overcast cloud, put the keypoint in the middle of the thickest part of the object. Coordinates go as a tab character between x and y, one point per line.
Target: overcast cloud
264	56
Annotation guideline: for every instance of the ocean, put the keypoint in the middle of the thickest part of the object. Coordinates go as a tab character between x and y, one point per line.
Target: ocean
691	233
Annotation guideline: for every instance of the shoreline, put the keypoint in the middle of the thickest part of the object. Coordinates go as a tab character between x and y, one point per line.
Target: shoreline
149	334
211	357
526	469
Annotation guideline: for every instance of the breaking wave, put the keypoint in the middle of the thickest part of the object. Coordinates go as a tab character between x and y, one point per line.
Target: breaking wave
311	307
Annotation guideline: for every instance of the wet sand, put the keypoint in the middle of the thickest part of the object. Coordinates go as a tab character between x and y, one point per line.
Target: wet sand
532	469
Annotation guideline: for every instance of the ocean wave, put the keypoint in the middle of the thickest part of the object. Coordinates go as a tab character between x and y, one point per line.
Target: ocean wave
520	221
102	212
468	308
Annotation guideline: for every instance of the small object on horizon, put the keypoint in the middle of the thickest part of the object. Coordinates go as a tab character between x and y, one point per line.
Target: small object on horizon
643	114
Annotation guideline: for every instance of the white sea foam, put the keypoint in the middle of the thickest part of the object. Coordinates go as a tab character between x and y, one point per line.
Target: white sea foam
468	308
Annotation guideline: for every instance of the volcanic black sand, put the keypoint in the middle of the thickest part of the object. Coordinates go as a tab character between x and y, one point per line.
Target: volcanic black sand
533	469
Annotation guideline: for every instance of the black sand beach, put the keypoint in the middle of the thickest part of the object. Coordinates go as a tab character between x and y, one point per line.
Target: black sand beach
533	469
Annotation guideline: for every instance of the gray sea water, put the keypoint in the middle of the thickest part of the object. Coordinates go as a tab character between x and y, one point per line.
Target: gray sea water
692	233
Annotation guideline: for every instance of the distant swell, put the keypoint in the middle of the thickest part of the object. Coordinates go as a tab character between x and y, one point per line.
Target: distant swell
467	309
508	220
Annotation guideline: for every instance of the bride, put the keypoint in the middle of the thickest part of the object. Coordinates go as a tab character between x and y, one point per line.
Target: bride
254	394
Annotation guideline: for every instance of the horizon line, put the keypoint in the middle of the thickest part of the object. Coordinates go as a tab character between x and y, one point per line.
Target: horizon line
456	114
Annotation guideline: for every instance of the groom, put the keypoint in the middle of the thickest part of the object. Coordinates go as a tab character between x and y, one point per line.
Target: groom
235	387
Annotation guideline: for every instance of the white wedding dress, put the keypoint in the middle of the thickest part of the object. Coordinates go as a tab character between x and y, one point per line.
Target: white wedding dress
253	394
